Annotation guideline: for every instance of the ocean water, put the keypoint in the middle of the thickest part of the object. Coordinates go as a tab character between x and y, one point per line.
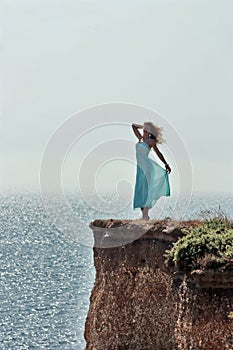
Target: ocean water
47	273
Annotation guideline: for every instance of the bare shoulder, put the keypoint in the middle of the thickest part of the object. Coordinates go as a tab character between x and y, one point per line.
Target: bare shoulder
152	143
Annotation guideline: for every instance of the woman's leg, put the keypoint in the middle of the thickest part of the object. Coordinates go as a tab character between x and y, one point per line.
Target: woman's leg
142	212
145	215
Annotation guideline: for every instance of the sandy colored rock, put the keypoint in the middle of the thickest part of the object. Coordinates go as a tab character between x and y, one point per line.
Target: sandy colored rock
138	304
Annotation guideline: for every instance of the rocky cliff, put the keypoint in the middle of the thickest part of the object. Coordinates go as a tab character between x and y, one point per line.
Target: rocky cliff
137	303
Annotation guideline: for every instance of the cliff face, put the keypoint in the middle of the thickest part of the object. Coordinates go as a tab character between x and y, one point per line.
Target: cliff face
136	303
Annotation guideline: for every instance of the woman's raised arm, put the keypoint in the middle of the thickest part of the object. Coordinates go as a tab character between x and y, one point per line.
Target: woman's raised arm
136	131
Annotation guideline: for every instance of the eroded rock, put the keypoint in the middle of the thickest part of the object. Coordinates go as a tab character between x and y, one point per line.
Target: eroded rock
137	303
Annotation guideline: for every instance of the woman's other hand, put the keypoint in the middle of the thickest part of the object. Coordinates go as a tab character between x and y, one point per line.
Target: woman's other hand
168	169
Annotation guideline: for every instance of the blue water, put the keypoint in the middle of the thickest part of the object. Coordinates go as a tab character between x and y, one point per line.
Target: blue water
46	275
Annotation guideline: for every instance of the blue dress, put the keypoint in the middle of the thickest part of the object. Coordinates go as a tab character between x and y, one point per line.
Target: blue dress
152	180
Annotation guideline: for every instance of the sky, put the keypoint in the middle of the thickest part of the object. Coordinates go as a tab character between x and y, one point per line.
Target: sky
59	58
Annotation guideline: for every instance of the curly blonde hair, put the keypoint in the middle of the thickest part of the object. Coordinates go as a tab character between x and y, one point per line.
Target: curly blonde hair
155	130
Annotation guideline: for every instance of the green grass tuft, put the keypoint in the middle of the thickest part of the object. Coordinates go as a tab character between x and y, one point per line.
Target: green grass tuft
209	246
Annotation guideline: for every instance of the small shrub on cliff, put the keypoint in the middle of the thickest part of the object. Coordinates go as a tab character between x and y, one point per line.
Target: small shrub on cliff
209	246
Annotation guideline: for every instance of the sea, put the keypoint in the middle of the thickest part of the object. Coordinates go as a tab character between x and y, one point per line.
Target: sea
46	263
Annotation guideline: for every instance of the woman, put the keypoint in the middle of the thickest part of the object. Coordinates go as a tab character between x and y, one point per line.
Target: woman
152	180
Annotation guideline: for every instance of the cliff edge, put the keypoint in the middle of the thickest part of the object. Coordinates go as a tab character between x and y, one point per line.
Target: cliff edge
137	303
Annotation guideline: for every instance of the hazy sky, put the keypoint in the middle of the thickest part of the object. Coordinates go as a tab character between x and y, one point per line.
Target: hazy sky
172	56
